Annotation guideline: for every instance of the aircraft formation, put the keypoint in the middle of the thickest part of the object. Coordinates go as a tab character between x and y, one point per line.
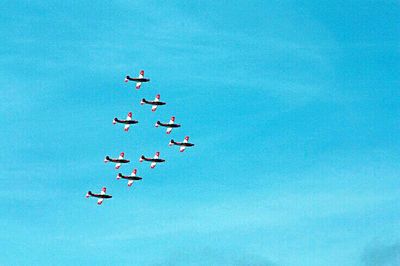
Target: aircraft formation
128	122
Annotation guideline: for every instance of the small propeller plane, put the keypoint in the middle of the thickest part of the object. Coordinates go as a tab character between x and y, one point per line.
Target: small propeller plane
130	178
100	196
171	124
154	104
118	161
128	121
182	145
139	80
156	159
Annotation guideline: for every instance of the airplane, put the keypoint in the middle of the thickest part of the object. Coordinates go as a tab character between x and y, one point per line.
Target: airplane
118	161
153	160
130	178
182	145
169	126
154	103
138	80
100	196
128	121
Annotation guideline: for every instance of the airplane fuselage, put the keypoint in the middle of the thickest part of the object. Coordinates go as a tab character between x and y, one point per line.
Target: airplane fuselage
168	125
184	144
105	196
138	79
153	102
128	122
153	160
117	160
130	177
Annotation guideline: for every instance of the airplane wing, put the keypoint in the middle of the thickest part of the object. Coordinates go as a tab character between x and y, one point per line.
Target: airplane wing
141	75
134	172
182	148
130	182
100	201
121	156
156	156
157	99
128	118
169	129
103	191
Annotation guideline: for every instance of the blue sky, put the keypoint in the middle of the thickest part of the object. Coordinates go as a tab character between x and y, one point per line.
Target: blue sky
293	107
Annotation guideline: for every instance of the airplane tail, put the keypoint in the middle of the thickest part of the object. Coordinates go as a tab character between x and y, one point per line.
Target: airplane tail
114	121
157	124
141	158
88	194
127	78
119	176
107	159
142	101
172	142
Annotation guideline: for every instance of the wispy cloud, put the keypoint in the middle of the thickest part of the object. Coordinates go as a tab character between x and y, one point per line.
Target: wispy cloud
382	254
212	256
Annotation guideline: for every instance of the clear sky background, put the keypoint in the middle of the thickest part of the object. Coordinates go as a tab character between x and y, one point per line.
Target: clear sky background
293	107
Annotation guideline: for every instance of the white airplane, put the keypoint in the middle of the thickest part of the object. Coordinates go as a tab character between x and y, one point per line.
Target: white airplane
169	126
130	178
100	196
154	104
128	121
118	161
182	145
139	80
156	159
